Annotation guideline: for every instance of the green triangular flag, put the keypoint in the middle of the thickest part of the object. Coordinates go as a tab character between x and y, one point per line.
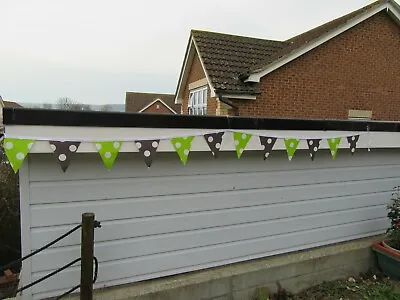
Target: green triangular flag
16	151
108	152
334	146
182	146
241	140
291	146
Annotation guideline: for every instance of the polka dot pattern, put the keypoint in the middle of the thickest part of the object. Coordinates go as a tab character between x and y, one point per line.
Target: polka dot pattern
267	143
241	140
64	150
16	151
353	142
182	146
108	152
214	141
291	147
148	148
334	146
313	146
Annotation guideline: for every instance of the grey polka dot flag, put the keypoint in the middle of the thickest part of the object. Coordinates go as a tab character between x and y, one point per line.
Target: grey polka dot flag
148	148
313	146
64	152
353	142
214	141
267	143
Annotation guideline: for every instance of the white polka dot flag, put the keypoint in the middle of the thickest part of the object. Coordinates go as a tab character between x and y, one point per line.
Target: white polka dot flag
353	143
291	146
334	146
182	146
241	140
214	142
64	151
16	151
148	148
313	146
267	143
108	152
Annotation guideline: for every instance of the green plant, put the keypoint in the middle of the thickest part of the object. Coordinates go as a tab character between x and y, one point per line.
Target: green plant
9	212
394	215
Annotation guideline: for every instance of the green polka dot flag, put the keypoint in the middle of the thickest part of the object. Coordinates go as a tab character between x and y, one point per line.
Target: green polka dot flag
291	147
16	151
108	152
334	146
241	140
182	146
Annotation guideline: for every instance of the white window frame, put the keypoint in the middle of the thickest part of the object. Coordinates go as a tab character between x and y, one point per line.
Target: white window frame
197	104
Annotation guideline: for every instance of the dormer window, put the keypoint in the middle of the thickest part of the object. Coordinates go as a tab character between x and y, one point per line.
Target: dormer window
198	101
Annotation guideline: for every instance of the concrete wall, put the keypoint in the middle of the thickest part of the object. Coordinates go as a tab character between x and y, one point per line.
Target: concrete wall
295	272
172	219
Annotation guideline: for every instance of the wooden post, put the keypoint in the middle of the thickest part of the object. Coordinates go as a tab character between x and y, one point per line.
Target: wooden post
87	245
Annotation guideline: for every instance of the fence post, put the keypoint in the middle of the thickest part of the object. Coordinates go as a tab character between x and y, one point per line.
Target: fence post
87	245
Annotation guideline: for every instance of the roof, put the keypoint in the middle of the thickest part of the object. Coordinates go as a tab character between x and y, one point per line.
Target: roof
135	101
229	60
226	56
11	104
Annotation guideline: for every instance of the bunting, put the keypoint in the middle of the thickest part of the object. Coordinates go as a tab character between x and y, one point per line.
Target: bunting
313	146
148	148
214	142
353	142
182	146
291	146
241	140
334	146
64	152
108	152
16	151
267	143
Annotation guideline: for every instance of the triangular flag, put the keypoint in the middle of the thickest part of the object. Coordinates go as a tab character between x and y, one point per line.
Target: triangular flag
214	141
64	151
353	142
241	140
334	146
108	152
182	146
16	151
267	143
148	148
291	146
313	146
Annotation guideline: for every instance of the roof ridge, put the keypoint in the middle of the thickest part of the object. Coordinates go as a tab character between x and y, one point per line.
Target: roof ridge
316	32
235	35
150	93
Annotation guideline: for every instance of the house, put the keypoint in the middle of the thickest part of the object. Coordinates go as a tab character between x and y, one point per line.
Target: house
151	103
4	104
347	68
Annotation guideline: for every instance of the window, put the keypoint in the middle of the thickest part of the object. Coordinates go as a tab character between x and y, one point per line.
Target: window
198	101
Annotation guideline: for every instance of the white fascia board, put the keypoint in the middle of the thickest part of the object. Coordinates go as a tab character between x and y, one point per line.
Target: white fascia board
127	135
244	97
256	77
183	76
157	100
212	91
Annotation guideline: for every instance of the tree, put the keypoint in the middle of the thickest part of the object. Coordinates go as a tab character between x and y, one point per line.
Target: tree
66	103
106	107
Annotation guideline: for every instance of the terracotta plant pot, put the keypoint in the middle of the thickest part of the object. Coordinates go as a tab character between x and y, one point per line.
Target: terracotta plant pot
388	260
384	244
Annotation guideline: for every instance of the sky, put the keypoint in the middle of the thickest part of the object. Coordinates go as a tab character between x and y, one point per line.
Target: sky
93	51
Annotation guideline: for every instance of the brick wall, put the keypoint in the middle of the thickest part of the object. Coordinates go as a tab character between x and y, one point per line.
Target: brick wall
196	73
359	69
158	108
